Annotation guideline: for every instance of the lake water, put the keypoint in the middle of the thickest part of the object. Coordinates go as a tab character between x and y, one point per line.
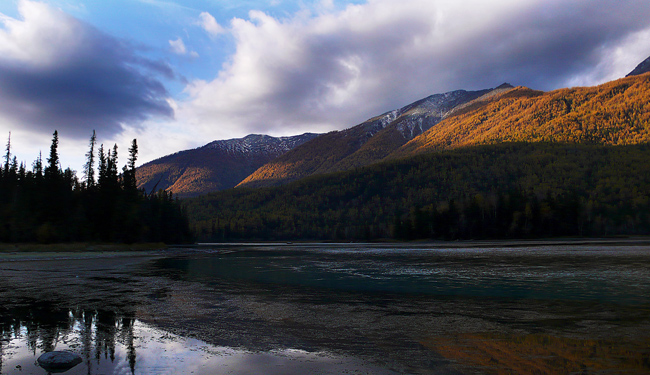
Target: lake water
341	308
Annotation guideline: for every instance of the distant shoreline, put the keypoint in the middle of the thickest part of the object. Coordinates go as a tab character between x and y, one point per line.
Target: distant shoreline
613	241
79	247
75	251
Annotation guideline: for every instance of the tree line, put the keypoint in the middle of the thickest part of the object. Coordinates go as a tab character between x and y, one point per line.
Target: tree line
47	204
510	190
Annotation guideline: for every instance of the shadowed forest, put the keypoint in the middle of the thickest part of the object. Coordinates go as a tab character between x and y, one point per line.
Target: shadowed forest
511	190
47	204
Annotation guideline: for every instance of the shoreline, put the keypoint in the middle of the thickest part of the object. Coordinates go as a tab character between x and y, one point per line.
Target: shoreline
613	241
29	252
70	251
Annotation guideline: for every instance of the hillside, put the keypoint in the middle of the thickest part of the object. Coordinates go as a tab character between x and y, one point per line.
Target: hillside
509	190
614	113
364	144
508	163
216	166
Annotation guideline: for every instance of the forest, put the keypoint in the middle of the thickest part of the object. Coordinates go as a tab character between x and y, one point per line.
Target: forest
614	113
46	204
509	190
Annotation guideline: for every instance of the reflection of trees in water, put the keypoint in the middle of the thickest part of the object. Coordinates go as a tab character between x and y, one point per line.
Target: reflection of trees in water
44	326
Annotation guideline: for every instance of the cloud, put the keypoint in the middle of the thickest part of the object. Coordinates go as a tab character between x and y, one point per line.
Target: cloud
210	25
57	72
177	46
335	68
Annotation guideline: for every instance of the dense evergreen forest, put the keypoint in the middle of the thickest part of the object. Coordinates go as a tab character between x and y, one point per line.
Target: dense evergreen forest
509	190
47	204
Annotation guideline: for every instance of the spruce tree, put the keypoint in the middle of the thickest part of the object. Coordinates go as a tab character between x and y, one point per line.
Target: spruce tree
52	169
37	167
8	155
89	167
129	170
102	166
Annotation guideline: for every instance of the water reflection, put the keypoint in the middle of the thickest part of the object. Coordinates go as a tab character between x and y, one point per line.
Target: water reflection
543	354
122	345
40	327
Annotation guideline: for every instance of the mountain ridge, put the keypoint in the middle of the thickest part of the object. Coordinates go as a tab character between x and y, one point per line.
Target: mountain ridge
215	166
363	144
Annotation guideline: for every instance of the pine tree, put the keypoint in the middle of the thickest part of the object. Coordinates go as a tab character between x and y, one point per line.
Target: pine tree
8	155
89	167
129	169
133	154
102	166
37	167
113	165
52	169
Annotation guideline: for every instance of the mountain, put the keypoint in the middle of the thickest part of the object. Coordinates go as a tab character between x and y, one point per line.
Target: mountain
644	67
364	144
511	163
614	113
216	166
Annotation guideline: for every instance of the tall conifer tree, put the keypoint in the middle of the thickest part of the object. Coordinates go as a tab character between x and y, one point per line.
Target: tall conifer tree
52	169
8	155
89	167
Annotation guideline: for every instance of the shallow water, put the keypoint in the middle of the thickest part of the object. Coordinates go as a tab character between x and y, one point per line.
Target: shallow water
111	345
335	309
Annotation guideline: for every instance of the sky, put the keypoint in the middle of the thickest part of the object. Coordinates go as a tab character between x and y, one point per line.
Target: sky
179	74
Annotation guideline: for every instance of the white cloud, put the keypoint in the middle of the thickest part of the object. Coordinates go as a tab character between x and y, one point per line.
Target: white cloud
57	72
210	24
177	46
615	60
334	69
42	38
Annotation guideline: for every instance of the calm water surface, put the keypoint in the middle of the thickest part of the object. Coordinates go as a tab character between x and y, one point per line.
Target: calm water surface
335	309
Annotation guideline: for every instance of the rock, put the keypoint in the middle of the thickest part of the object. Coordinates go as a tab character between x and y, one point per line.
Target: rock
59	361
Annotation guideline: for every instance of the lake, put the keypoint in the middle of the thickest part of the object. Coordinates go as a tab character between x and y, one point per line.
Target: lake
331	309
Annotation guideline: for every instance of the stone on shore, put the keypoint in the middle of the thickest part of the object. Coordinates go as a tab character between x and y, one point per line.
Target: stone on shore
59	361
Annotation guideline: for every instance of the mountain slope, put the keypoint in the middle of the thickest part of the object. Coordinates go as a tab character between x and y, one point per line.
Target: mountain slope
216	166
643	67
614	113
364	144
508	190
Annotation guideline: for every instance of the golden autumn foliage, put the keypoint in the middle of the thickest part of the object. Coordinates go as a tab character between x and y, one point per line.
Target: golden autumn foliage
615	113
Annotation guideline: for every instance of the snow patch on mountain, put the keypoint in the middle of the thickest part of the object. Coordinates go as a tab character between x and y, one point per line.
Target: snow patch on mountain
260	144
420	116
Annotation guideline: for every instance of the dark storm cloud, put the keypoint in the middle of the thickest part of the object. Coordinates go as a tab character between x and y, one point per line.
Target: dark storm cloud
86	80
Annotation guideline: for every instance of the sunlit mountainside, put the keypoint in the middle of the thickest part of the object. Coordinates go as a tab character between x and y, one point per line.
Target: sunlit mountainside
364	144
615	113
